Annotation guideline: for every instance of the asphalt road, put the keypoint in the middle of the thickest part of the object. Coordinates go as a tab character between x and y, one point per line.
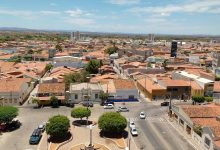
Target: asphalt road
155	133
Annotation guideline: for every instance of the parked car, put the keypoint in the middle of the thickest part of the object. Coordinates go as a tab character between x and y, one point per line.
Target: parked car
131	124
142	115
14	124
87	104
108	106
35	136
134	132
122	109
41	127
165	104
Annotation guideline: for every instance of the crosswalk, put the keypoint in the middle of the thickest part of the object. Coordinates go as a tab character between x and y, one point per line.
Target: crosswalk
148	118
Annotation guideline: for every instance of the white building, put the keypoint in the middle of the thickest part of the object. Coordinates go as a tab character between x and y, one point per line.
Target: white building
84	91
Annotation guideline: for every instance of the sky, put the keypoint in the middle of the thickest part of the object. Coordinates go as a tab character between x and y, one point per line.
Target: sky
124	16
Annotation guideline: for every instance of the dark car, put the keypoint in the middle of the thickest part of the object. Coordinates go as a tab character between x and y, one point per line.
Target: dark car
14	124
165	104
35	136
106	103
87	104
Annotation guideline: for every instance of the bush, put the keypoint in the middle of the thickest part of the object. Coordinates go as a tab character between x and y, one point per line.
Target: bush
80	112
198	129
54	101
58	126
198	99
7	113
112	122
208	99
111	50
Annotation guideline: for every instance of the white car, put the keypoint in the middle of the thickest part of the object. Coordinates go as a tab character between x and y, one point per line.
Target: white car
131	124
134	132
142	115
108	106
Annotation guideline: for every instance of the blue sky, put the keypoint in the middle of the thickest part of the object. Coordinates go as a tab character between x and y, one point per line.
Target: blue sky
126	16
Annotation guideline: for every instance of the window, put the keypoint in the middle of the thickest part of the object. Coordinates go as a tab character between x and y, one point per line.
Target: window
207	142
76	96
96	96
181	122
175	90
131	97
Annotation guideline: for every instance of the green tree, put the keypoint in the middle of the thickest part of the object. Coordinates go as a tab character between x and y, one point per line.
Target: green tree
35	101
112	122
76	77
54	101
197	129
16	59
30	51
149	65
208	99
59	48
58	126
103	96
198	99
7	113
48	67
111	50
80	112
93	66
164	64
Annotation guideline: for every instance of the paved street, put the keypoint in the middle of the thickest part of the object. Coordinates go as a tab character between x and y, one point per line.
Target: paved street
155	133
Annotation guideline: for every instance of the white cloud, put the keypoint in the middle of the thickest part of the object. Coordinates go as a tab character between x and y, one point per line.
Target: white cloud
47	12
123	2
198	6
77	13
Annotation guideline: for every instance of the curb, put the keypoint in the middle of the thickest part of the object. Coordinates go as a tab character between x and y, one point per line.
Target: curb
119	146
65	142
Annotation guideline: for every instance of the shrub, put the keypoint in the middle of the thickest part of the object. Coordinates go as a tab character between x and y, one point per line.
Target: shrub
112	122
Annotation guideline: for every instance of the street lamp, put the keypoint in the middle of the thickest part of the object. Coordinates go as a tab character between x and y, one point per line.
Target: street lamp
87	97
90	136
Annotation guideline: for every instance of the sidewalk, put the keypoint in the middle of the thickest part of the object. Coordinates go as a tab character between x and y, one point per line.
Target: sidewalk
187	137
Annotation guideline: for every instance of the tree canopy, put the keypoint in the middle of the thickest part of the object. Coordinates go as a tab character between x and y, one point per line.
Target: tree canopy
93	66
7	113
76	77
111	50
58	126
48	67
80	112
112	122
103	96
59	48
54	101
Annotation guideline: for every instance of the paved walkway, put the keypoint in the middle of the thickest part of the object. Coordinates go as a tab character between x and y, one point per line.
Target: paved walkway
81	136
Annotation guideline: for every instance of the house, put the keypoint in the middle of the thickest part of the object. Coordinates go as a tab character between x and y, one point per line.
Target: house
151	89
14	91
46	90
161	88
200	122
68	61
216	92
123	90
206	84
84	91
